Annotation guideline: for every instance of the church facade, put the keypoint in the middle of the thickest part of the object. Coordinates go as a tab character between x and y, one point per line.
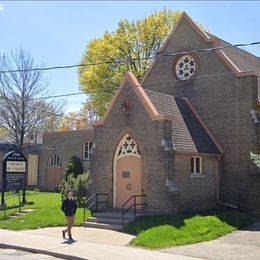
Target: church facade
181	137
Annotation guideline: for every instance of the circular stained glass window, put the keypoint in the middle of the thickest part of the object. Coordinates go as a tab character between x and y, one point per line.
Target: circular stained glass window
185	67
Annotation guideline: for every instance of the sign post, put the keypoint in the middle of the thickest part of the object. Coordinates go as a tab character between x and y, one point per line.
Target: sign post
14	174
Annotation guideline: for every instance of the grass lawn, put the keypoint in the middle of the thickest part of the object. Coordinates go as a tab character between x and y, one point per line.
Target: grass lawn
47	212
165	230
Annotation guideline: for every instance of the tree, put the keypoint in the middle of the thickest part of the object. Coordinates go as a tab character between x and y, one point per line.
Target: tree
22	113
135	41
83	118
74	167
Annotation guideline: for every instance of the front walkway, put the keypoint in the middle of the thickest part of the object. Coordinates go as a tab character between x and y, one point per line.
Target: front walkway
92	244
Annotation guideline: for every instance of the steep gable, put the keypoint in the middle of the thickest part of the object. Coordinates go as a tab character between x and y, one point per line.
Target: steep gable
130	80
187	35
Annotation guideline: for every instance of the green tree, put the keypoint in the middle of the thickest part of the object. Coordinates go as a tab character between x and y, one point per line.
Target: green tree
74	167
135	41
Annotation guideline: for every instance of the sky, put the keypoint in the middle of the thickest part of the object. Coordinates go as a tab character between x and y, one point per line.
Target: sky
57	32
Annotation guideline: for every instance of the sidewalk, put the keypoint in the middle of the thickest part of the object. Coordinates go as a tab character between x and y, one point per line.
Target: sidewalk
92	244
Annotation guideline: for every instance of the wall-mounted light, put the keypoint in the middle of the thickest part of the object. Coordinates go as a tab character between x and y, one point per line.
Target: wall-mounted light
126	107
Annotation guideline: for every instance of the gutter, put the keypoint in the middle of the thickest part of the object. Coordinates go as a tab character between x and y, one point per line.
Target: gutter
218	199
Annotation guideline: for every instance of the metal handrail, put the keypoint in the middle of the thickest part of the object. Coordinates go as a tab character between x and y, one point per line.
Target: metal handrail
95	203
124	211
4	208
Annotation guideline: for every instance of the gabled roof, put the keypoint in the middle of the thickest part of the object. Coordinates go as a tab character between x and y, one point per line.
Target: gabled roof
236	59
189	133
131	80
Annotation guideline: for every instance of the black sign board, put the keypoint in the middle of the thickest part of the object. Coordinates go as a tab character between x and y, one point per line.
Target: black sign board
14	172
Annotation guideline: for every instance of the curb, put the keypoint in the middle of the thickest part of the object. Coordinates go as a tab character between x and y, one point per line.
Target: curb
40	251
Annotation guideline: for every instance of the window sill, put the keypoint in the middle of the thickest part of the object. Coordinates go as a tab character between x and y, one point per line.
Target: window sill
197	175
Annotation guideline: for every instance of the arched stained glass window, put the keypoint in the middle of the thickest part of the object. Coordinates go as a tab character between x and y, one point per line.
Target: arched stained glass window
128	146
54	161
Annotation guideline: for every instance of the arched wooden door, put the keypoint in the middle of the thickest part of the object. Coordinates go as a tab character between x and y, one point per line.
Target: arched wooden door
127	171
54	173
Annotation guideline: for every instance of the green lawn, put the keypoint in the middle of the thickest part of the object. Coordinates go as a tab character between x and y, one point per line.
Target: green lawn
165	231
47	213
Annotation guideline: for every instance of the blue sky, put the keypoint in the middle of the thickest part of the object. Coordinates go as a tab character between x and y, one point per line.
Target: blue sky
56	33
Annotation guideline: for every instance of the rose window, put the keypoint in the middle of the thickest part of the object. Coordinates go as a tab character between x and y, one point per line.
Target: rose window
185	67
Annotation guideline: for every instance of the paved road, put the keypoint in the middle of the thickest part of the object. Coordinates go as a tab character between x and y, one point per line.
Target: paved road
11	254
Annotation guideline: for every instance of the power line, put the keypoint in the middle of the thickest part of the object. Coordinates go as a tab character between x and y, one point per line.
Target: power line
154	83
129	60
139	85
77	65
213	49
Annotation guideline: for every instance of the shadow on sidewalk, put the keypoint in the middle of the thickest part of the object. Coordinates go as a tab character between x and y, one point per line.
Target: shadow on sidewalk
69	242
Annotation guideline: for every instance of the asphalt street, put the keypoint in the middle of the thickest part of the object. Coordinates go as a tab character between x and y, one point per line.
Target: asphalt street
11	254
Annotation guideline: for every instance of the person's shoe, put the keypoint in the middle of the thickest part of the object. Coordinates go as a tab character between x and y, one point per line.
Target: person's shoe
71	239
63	234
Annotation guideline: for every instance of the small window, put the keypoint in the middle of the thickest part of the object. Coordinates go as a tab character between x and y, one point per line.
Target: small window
196	165
86	150
54	161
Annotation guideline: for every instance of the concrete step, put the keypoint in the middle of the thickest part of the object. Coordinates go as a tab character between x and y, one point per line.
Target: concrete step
26	210
103	226
115	215
18	214
12	216
112	221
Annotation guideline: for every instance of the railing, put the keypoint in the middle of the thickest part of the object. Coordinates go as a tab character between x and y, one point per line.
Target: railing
96	203
5	208
133	205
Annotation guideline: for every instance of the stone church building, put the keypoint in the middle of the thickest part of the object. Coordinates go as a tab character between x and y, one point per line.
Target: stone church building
181	137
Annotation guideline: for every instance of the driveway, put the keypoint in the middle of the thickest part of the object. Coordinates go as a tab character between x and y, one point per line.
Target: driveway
242	244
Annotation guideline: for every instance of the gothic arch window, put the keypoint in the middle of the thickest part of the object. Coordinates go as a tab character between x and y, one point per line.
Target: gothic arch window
54	161
86	150
128	146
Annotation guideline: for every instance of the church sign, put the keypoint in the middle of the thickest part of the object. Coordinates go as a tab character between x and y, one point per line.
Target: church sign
14	171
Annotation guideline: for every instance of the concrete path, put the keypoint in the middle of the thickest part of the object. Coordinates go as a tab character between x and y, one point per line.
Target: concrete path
92	244
235	246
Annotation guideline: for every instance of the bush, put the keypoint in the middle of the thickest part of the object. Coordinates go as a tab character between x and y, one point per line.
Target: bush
79	185
256	159
74	167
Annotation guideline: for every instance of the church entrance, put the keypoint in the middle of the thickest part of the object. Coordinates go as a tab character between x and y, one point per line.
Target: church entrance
54	173
127	179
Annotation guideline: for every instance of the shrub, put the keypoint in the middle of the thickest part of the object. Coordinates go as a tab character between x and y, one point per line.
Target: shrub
74	167
256	159
79	186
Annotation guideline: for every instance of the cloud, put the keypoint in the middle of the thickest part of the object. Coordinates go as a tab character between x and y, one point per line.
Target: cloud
1	8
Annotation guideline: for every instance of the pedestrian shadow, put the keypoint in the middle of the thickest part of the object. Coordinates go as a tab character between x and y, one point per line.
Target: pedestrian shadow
69	242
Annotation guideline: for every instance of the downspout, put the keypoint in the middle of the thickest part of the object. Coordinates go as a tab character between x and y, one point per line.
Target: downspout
218	197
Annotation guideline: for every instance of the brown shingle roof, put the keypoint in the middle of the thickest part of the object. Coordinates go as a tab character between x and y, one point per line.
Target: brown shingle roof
188	133
242	59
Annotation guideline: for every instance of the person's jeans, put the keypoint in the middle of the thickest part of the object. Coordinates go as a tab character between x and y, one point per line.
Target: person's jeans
70	224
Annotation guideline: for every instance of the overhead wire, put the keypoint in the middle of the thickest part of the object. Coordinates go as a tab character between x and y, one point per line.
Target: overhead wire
127	61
